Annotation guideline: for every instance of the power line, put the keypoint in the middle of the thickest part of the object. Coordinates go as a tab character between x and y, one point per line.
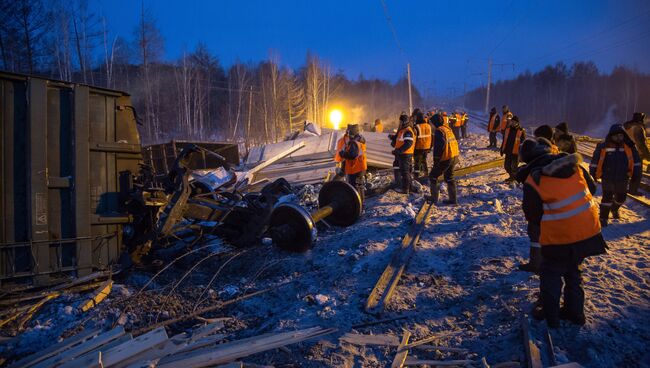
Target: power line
392	28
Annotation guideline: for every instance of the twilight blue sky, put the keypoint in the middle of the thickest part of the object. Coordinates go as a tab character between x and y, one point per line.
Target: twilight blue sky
447	42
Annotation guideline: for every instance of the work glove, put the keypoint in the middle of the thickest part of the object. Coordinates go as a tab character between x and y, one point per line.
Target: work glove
339	171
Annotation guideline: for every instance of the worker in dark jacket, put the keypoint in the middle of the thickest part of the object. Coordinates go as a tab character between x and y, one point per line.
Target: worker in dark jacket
493	127
423	141
615	161
563	139
512	137
354	155
404	143
546	132
463	126
535	153
636	130
445	157
557	195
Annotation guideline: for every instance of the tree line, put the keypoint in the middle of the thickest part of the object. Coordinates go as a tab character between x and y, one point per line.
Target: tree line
191	97
580	95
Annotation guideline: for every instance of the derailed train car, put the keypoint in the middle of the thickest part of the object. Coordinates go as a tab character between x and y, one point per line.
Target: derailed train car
63	146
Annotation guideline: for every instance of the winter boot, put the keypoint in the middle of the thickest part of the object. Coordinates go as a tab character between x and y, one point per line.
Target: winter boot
615	207
604	215
535	259
435	191
451	190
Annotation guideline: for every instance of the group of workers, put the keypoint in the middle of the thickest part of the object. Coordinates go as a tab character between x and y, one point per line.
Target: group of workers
564	224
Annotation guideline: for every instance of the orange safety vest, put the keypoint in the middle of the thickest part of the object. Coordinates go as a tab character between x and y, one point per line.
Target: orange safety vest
445	119
492	123
464	119
515	147
358	164
569	214
340	144
399	142
459	120
554	149
379	128
451	145
504	120
603	154
423	140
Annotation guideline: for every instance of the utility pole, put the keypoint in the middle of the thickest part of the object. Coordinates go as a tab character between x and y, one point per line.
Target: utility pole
408	76
489	81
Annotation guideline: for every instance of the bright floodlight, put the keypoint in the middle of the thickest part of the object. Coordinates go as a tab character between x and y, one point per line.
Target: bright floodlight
335	117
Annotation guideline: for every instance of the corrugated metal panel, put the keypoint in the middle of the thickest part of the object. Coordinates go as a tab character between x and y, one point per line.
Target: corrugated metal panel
63	146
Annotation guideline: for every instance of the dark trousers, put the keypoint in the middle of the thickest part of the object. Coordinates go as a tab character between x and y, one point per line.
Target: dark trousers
445	168
463	130
553	275
358	181
405	163
511	164
420	166
614	194
635	184
493	139
456	131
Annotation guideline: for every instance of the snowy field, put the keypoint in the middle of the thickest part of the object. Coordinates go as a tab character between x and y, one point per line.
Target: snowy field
462	285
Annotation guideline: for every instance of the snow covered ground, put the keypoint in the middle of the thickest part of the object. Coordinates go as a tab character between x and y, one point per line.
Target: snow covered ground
462	285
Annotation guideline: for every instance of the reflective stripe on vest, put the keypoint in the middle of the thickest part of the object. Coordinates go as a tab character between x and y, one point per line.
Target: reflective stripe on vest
569	214
451	145
423	140
399	142
554	149
339	147
603	155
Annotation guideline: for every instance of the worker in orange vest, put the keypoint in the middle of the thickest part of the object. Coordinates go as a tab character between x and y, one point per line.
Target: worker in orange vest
354	156
505	116
338	159
557	202
512	137
423	141
378	127
445	157
463	125
493	127
455	121
404	143
617	162
546	132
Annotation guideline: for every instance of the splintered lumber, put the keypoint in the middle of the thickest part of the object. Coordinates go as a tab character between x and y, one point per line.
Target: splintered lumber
391	340
533	355
121	352
420	342
81	349
56	348
439	363
230	351
101	294
549	348
400	357
250	174
385	286
27	314
478	167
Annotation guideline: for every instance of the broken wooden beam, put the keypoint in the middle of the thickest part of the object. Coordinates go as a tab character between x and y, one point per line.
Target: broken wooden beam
57	348
100	294
533	355
385	286
400	357
391	340
439	363
231	351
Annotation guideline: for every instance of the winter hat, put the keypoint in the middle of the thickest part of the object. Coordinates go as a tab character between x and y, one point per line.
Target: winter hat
437	120
353	129
616	129
494	110
638	116
419	118
544	131
403	117
530	149
563	127
505	108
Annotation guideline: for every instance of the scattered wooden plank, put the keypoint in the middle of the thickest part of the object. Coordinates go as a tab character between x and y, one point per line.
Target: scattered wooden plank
232	365
101	294
549	348
533	355
419	343
82	280
391	340
439	363
379	321
56	348
79	350
568	365
123	351
400	357
231	351
105	347
388	280
34	308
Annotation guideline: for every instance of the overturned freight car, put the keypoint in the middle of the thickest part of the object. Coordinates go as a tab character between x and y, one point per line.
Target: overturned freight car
63	147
